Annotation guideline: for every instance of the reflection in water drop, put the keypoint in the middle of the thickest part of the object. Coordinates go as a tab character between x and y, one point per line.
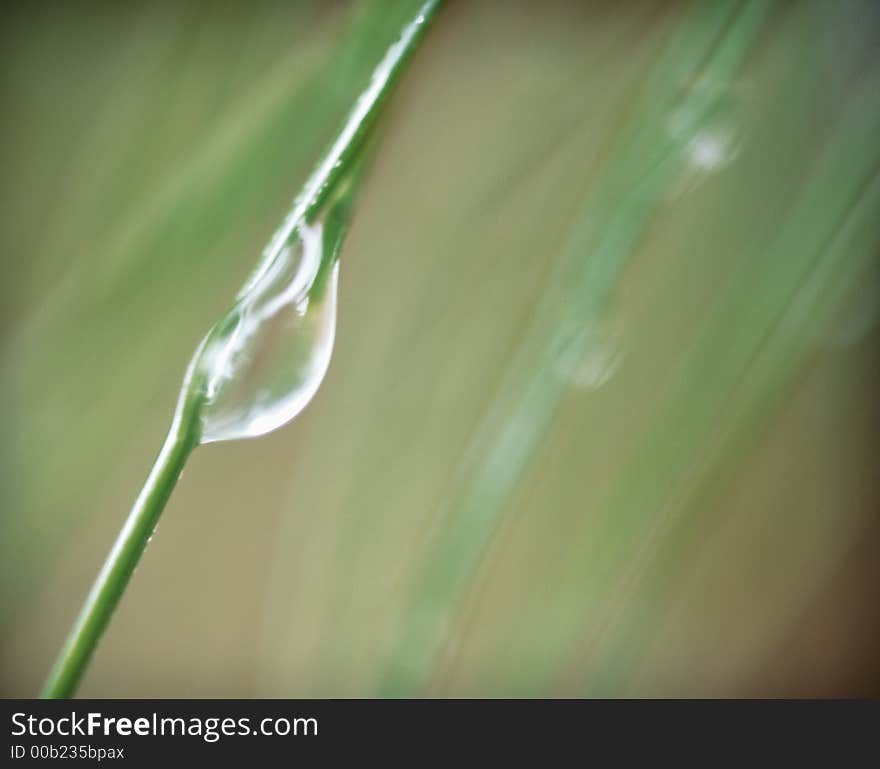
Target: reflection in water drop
266	358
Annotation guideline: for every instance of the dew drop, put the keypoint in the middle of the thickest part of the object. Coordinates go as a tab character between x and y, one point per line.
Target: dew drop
708	130
589	357
265	359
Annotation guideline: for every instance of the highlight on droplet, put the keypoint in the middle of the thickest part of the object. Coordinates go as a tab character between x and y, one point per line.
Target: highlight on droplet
265	359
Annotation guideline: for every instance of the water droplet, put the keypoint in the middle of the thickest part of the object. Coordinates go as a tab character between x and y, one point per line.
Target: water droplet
589	357
265	359
710	150
708	129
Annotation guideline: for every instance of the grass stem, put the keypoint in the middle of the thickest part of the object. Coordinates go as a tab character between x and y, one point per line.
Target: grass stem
336	166
75	655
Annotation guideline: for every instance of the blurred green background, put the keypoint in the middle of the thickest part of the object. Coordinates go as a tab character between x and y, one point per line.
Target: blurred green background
692	511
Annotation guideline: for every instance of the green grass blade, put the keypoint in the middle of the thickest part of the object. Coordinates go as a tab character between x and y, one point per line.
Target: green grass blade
332	172
708	45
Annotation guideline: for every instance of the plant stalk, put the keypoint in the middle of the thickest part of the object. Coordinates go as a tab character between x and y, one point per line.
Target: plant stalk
184	435
182	438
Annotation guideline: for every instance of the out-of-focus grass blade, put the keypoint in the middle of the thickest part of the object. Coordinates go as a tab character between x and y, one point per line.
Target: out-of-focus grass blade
649	153
759	337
